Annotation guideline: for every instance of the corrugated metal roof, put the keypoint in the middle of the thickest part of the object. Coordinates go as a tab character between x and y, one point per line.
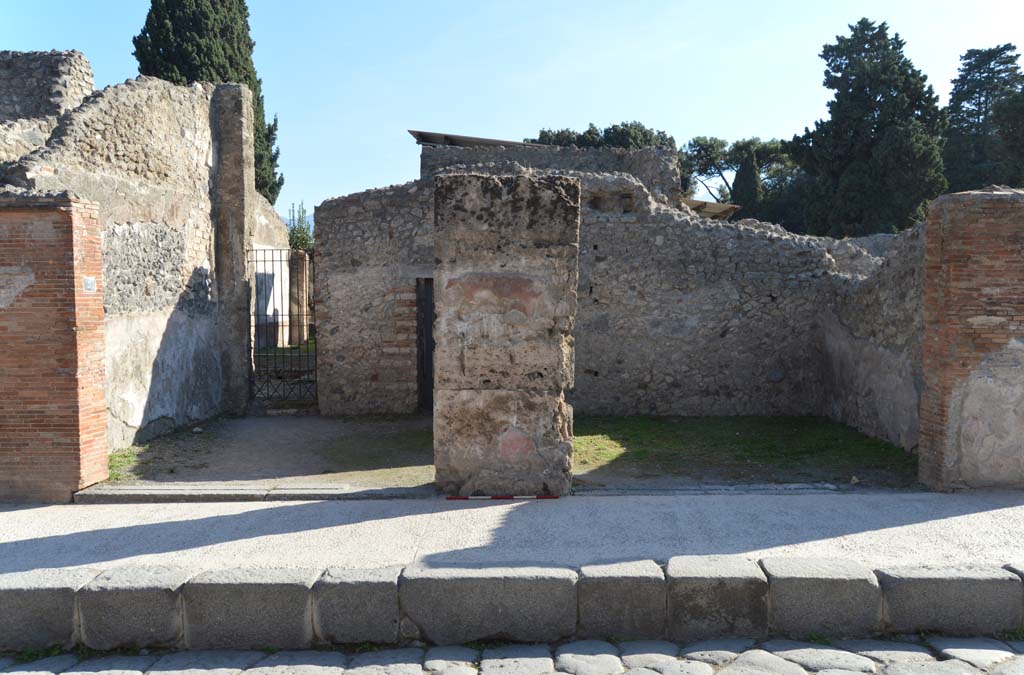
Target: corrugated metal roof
437	138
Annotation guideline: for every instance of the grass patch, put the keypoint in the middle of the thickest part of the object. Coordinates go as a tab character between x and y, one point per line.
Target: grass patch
773	449
124	462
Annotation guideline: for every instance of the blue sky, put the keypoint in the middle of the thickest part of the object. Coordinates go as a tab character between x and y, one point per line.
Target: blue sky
348	78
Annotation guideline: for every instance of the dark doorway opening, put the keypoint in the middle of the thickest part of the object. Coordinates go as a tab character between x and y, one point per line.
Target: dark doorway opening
425	344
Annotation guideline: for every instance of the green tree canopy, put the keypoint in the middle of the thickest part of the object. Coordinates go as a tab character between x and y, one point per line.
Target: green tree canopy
185	41
877	159
1008	119
624	135
975	154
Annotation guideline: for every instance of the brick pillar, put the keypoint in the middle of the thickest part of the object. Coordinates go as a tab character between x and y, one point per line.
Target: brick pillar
505	290
298	298
972	409
52	410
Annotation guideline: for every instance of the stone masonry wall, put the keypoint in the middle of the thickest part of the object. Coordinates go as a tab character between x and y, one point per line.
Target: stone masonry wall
679	314
35	89
154	157
972	411
371	248
507	265
52	417
657	168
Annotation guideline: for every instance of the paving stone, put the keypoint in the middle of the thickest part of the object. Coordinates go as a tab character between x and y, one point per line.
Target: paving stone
357	605
517	660
588	657
6	662
760	662
1014	666
965	599
647	653
113	665
37	607
979	652
134	606
387	662
797	586
249	607
49	666
931	668
623	600
221	662
715	596
447	659
836	671
716	652
453	605
1016	645
301	663
682	667
819	657
887	651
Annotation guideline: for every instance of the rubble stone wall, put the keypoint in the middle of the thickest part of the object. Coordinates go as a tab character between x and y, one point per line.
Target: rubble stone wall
657	168
154	156
35	89
507	250
677	314
972	412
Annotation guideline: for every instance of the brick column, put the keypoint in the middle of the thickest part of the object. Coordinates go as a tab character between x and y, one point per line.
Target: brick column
972	409
52	410
505	290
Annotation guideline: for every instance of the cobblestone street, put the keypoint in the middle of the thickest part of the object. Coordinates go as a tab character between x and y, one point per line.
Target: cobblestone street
903	656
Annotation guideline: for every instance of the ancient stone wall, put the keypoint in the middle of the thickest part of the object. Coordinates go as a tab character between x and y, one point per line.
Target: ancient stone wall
972	411
507	250
371	247
168	167
36	88
52	417
657	168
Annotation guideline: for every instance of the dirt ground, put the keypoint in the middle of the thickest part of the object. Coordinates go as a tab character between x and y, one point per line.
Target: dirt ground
629	454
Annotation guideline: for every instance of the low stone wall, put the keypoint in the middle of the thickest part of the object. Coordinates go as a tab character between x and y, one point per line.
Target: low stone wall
507	251
691	598
52	420
972	413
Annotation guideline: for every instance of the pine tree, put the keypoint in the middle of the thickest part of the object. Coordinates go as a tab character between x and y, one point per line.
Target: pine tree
746	186
877	160
975	154
185	41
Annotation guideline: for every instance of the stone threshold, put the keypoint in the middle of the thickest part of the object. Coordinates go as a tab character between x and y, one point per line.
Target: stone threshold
691	598
149	493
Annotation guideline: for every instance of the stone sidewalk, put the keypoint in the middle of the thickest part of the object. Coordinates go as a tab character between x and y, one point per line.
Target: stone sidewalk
882	528
905	656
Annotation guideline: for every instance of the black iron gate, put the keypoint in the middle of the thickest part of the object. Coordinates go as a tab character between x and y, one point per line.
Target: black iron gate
283	326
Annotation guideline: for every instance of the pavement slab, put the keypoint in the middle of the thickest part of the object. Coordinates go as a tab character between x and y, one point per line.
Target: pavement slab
206	662
451	660
517	660
760	662
932	668
113	665
1014	666
588	657
873	528
648	653
886	651
302	662
979	652
52	665
407	661
816	657
716	652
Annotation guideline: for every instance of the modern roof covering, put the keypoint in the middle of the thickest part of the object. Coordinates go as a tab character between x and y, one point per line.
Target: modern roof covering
436	138
713	210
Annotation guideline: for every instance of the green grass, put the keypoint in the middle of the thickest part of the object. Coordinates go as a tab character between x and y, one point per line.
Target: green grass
122	463
771	448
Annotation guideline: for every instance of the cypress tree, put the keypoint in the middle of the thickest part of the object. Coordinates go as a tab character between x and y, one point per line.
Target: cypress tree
185	41
878	158
747	190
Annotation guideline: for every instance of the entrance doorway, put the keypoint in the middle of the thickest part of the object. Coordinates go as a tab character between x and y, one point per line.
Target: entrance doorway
425	344
283	327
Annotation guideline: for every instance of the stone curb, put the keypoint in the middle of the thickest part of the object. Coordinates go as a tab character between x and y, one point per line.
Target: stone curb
690	598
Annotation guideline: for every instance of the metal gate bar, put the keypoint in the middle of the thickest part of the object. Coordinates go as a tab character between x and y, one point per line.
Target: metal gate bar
283	326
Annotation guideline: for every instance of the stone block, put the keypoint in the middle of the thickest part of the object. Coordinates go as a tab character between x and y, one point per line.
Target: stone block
501	442
715	596
249	608
622	600
454	605
37	607
526	364
132	607
960	600
798	585
357	605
